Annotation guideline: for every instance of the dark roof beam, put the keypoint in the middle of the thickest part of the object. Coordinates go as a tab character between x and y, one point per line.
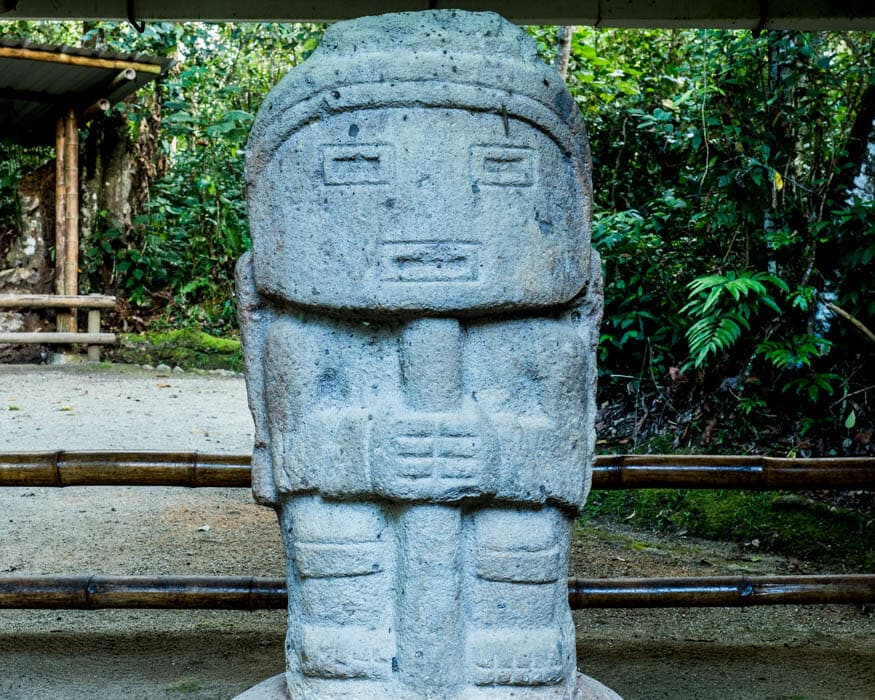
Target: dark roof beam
735	14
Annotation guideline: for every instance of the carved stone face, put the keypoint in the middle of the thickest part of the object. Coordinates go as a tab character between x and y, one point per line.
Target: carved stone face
420	210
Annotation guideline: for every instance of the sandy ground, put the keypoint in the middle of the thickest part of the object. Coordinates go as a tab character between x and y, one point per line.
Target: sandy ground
776	652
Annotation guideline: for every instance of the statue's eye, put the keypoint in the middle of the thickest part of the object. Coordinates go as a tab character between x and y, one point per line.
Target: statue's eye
357	164
503	166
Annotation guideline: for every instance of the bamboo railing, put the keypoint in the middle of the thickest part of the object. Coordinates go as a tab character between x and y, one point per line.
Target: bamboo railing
123	469
159	592
193	469
750	473
67	322
721	591
57	301
252	593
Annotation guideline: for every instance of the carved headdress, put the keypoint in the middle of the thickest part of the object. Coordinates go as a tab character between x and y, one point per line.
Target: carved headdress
387	61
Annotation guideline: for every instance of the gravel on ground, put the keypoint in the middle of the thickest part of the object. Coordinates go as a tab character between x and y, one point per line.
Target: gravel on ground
766	652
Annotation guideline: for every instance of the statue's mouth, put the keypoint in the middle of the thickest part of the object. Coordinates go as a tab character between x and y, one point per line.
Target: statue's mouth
446	260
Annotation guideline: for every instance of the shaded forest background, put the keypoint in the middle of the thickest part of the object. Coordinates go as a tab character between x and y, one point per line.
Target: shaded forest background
734	199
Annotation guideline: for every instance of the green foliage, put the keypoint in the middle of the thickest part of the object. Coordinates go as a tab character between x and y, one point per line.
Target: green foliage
724	207
10	173
641	321
177	258
15	162
813	386
798	351
723	306
194	227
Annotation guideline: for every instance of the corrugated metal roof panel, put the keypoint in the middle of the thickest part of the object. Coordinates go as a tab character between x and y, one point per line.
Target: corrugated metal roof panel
36	84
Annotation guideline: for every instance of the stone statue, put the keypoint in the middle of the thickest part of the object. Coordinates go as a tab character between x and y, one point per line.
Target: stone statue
419	312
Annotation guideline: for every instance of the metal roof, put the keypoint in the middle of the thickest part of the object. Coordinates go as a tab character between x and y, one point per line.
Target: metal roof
738	14
39	82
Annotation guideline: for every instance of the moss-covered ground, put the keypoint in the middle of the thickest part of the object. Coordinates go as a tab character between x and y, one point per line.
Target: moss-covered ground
790	524
189	349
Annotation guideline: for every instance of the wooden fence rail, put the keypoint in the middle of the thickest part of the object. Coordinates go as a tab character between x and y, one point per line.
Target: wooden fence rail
252	593
56	301
746	472
193	469
68	332
123	469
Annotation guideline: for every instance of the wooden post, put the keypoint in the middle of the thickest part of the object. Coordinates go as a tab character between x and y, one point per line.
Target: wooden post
71	182
93	328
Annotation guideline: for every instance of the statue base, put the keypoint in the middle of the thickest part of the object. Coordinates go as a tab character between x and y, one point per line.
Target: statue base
587	689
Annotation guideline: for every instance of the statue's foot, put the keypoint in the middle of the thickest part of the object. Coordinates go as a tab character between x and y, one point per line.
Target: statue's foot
519	657
345	652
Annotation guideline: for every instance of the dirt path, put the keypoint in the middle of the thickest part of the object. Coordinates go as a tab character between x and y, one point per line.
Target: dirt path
779	652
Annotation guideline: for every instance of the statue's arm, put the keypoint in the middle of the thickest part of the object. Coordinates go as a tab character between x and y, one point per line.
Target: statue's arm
255	318
586	315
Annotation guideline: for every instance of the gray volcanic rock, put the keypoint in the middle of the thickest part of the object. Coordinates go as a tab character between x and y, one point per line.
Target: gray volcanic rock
391	115
419	313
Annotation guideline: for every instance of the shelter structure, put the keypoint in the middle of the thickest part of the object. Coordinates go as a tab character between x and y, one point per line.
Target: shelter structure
48	92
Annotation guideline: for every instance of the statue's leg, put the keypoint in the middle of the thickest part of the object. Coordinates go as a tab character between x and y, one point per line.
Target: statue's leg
429	603
520	632
341	635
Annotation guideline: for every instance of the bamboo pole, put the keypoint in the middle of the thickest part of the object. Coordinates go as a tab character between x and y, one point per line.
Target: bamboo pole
74	60
56	301
752	472
60	209
62	338
251	593
100	106
123	468
71	182
162	592
124	77
609	472
721	591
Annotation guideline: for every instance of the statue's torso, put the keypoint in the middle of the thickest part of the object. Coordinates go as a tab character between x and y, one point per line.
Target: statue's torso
501	418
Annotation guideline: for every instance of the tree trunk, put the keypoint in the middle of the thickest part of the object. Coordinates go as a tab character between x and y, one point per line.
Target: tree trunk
563	53
108	175
116	172
115	184
860	148
855	176
25	265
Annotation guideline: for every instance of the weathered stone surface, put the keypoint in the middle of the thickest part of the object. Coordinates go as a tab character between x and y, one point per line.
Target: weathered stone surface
25	265
392	114
419	315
